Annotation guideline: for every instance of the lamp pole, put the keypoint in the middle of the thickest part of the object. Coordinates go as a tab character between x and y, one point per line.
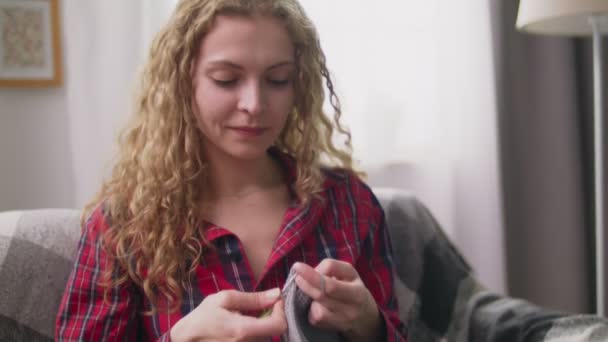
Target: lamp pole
598	136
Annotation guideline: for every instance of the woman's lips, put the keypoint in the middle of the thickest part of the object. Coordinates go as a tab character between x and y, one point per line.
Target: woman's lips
249	131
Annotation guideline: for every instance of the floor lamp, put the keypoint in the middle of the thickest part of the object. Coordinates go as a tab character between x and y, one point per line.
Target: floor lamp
579	18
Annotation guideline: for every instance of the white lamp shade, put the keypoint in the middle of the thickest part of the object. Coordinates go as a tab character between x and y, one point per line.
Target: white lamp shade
561	17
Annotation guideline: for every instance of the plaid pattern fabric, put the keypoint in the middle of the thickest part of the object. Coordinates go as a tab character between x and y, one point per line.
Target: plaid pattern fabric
345	222
438	296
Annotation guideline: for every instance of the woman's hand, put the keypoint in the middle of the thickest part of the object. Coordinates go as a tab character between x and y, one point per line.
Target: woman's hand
340	299
219	318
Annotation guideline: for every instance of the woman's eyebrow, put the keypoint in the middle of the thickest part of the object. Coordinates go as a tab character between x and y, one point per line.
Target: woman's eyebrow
280	64
226	63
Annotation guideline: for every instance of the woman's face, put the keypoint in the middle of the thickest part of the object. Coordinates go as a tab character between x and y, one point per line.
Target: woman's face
243	85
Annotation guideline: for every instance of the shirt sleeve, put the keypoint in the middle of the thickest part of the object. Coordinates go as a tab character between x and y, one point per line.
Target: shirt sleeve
375	267
83	314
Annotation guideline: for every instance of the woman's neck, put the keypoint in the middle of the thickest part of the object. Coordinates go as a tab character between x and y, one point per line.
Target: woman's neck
232	178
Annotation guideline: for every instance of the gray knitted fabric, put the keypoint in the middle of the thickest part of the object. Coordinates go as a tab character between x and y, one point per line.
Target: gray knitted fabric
297	305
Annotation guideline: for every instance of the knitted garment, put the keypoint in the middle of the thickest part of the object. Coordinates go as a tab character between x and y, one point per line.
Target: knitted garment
297	305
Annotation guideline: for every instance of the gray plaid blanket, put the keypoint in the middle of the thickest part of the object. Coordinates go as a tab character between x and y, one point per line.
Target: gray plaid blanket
439	298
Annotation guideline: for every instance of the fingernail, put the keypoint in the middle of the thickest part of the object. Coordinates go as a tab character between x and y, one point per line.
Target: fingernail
274	293
297	266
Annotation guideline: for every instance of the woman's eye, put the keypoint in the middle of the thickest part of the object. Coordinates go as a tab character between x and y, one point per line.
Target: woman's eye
225	82
278	83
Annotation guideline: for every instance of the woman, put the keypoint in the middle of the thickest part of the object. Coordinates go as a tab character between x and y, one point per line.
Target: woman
219	190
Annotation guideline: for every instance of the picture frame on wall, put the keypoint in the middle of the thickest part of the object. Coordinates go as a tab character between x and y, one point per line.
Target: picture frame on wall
30	45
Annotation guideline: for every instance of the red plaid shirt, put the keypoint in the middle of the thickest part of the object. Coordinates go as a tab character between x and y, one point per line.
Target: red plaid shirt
345	223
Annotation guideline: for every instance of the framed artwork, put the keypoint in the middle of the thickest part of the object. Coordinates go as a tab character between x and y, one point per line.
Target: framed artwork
30	47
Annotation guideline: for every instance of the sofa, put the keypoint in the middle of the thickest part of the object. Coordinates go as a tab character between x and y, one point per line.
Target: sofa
439	297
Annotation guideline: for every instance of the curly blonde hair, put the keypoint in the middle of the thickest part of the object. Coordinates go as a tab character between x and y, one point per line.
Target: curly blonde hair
152	200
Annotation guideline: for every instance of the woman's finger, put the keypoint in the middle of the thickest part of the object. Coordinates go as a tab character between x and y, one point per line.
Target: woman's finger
278	310
327	285
311	276
321	316
243	327
338	269
247	301
332	304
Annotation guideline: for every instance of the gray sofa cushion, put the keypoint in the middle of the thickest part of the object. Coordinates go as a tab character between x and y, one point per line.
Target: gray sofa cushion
13	331
36	257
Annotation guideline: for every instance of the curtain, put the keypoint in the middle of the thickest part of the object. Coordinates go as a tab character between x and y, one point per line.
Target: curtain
544	91
105	43
416	80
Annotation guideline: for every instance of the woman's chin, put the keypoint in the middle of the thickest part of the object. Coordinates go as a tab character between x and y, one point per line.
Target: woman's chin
248	153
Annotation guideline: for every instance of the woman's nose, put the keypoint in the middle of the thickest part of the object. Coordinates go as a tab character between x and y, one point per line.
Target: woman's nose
251	98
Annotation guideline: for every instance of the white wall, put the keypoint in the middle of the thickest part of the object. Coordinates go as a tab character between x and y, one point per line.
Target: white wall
103	54
35	154
55	143
417	85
